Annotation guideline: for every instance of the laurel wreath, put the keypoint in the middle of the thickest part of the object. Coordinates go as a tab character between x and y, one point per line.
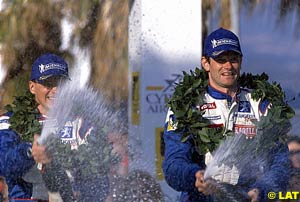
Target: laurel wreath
24	119
189	121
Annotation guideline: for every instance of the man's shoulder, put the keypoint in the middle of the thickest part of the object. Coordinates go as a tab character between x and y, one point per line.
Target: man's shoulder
4	120
246	94
262	105
245	90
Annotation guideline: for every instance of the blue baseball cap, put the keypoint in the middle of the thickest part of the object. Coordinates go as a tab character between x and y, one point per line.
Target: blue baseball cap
219	41
48	65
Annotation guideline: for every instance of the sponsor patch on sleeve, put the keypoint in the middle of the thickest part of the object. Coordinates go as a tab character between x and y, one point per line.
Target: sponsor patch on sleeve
4	122
171	124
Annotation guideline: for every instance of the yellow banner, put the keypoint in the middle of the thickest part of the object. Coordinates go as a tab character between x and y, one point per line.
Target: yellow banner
135	104
160	149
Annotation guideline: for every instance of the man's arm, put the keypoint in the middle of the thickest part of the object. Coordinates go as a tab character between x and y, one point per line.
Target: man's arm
178	167
15	156
276	177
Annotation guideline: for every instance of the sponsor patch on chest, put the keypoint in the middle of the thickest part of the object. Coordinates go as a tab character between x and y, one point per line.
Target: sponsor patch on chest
66	132
208	106
244	106
249	131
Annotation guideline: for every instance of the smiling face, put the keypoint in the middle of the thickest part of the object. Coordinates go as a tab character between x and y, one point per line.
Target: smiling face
223	71
44	93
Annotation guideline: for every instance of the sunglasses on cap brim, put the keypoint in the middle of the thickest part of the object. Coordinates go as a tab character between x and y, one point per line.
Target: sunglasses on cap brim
52	81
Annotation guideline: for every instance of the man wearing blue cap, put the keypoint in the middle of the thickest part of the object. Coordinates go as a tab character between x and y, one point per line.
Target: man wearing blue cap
65	182
232	109
16	163
47	71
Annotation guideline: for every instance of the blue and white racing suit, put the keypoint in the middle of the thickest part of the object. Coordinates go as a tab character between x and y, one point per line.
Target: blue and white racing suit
15	160
236	114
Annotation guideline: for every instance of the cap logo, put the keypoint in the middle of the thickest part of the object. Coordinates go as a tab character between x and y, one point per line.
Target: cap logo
49	66
215	43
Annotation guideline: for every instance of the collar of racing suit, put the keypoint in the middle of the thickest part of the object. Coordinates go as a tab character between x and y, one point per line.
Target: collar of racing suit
216	94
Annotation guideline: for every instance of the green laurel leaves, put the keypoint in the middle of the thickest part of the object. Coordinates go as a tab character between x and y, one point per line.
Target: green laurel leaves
25	116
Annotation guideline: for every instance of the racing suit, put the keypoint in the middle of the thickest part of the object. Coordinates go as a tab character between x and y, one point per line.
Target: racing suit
25	181
236	114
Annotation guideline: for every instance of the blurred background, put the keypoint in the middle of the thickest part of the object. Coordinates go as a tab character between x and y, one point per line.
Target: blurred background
93	36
